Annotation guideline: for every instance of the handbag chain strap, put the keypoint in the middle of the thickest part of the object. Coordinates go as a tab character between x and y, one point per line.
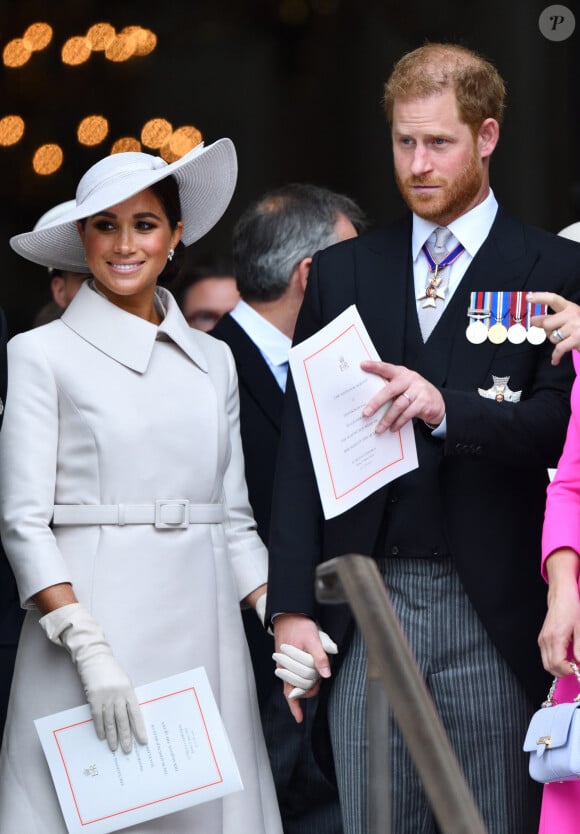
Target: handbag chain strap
550	701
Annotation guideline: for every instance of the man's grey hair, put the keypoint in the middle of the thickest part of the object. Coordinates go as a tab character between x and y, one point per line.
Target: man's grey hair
279	230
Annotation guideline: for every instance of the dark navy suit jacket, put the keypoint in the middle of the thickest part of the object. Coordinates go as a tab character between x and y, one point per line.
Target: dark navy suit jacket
261	401
492	469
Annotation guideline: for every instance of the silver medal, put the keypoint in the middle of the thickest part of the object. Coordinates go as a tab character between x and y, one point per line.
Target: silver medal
476	332
517	334
536	335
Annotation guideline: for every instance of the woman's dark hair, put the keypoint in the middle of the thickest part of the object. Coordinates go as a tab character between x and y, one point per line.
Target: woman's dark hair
167	192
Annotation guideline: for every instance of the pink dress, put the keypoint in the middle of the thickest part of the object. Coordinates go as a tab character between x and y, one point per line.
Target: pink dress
561	800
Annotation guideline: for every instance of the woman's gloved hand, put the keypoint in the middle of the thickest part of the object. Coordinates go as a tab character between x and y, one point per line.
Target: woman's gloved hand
114	707
297	668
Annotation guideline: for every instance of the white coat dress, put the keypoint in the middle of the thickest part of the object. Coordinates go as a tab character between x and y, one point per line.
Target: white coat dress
106	408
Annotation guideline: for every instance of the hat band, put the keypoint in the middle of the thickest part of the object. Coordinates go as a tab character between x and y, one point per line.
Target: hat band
130	170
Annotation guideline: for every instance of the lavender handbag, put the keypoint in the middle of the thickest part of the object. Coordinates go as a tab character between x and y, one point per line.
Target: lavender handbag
553	739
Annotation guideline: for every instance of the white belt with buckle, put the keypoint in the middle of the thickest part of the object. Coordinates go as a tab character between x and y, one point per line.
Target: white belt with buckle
164	514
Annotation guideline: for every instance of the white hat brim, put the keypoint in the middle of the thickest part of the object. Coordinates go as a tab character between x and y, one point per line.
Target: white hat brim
206	177
572	232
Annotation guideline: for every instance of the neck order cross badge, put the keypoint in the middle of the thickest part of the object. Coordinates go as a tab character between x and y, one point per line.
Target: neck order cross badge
438	259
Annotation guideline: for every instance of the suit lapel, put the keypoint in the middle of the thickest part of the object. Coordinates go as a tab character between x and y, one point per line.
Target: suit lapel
382	266
253	373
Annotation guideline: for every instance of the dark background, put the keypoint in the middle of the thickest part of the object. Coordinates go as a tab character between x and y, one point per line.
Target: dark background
297	84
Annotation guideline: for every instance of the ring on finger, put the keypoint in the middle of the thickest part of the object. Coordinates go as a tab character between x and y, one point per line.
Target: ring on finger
406	396
557	334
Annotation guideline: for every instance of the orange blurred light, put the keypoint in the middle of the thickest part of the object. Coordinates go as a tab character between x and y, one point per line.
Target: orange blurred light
184	139
156	132
16	53
11	130
92	130
145	40
121	48
167	154
47	159
76	51
38	36
100	36
126	143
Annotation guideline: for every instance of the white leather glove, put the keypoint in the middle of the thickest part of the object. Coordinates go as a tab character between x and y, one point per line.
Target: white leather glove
297	667
114	706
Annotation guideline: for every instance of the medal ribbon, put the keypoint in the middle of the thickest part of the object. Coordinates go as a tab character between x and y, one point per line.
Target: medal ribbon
515	306
535	310
447	260
486	303
479	306
499	307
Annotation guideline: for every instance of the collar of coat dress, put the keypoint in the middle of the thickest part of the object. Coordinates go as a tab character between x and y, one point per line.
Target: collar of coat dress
124	337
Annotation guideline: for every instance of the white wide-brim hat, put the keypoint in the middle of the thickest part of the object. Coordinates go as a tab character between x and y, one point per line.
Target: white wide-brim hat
206	177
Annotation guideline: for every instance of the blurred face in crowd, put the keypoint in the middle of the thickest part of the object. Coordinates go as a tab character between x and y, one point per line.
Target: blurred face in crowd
65	286
207	300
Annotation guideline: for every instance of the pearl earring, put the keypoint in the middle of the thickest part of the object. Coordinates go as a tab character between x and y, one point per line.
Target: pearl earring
170	254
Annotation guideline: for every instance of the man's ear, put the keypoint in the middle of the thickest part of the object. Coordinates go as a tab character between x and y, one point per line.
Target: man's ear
487	137
302	270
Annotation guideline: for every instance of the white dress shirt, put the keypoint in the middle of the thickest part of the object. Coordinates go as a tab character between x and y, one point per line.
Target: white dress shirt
471	229
271	342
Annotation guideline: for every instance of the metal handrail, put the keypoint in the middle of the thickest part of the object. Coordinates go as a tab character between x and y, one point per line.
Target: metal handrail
356	579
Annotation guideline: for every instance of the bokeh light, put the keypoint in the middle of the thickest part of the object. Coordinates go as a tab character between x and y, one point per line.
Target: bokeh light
11	130
92	130
76	51
100	36
16	53
38	36
121	48
144	40
184	139
156	132
126	143
47	159
167	154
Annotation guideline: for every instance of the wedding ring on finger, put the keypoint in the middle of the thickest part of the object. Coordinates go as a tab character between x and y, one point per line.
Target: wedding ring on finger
557	335
406	396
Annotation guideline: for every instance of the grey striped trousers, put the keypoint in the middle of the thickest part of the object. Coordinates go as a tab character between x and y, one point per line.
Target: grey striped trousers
483	708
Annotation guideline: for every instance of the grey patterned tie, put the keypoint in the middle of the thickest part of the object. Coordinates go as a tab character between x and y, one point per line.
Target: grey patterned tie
432	302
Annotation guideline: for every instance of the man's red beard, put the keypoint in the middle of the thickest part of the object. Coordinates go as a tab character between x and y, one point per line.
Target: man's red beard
450	200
